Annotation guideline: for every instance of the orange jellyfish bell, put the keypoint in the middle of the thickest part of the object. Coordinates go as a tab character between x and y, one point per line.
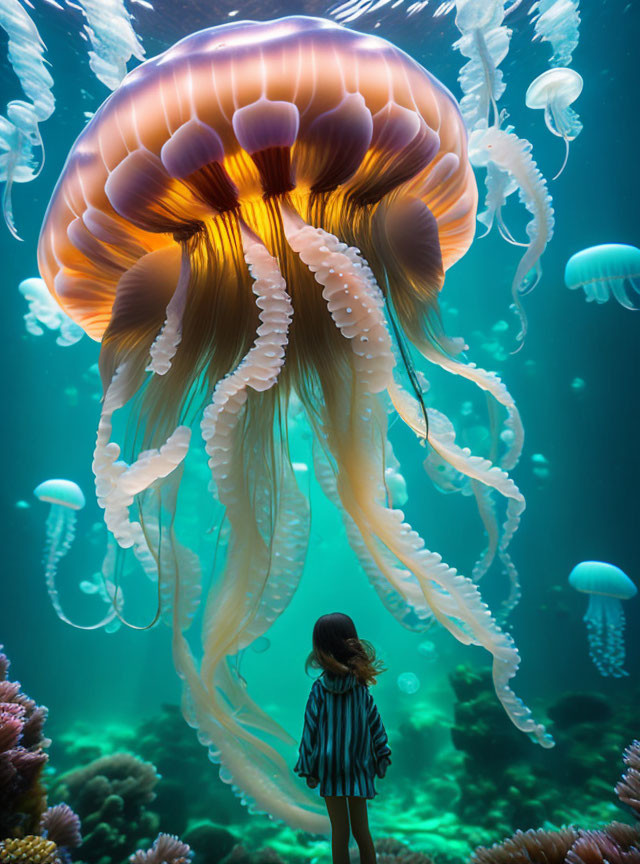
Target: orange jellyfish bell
264	211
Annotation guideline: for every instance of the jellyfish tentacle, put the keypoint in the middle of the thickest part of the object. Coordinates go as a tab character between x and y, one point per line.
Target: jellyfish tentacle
61	531
352	296
453	599
502	148
441	437
118	483
166	343
492	384
234	618
487	511
410	610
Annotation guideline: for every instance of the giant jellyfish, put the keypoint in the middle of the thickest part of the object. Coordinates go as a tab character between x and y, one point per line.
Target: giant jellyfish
262	216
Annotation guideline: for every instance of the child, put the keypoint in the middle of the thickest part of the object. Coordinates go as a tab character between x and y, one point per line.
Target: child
344	745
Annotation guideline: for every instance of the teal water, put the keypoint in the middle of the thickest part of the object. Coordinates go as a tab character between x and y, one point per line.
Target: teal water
585	508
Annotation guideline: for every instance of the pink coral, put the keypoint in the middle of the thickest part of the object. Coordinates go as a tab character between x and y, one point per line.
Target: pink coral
22	757
61	825
166	850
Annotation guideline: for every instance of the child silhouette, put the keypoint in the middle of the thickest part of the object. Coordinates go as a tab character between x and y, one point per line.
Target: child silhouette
344	744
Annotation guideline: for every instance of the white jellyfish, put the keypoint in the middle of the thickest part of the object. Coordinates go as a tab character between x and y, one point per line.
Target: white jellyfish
65	498
606	586
554	91
44	311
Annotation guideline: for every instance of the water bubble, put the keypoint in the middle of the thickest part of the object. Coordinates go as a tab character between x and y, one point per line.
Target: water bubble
22	505
408	683
578	385
261	644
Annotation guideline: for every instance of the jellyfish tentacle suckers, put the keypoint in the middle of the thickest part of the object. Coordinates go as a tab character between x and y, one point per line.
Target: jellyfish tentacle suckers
237	225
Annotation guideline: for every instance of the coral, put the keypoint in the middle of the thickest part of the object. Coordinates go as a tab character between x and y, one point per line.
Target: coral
165	850
616	843
61	825
595	847
29	850
110	796
628	789
22	758
529	847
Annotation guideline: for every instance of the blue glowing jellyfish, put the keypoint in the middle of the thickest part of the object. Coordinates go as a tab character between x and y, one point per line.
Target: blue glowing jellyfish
606	586
612	268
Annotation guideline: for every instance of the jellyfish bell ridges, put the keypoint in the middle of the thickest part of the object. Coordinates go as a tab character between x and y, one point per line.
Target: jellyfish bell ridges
611	268
244	247
554	91
606	585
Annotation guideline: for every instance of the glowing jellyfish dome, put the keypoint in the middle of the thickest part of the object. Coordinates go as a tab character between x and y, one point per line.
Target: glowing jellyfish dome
606	586
262	216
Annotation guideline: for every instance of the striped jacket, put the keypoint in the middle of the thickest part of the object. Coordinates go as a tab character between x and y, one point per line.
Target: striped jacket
344	744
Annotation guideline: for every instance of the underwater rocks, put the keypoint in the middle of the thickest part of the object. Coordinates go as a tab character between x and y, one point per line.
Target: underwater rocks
506	783
391	851
210	842
239	855
111	796
22	758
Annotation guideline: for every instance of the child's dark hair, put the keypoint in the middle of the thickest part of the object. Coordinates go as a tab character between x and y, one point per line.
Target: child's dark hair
338	650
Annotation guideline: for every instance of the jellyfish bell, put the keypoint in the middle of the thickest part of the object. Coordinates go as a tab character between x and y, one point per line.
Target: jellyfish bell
606	585
605	270
61	493
272	236
554	91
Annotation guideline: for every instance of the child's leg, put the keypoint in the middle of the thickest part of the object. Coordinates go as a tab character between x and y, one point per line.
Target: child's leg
360	827
339	816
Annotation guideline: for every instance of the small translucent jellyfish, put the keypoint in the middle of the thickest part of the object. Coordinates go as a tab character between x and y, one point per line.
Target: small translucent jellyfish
612	268
428	650
554	91
66	499
408	683
22	505
540	466
606	586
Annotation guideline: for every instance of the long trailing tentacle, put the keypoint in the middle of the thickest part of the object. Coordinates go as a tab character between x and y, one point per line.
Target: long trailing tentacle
61	531
244	604
408	607
117	484
441	436
356	309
